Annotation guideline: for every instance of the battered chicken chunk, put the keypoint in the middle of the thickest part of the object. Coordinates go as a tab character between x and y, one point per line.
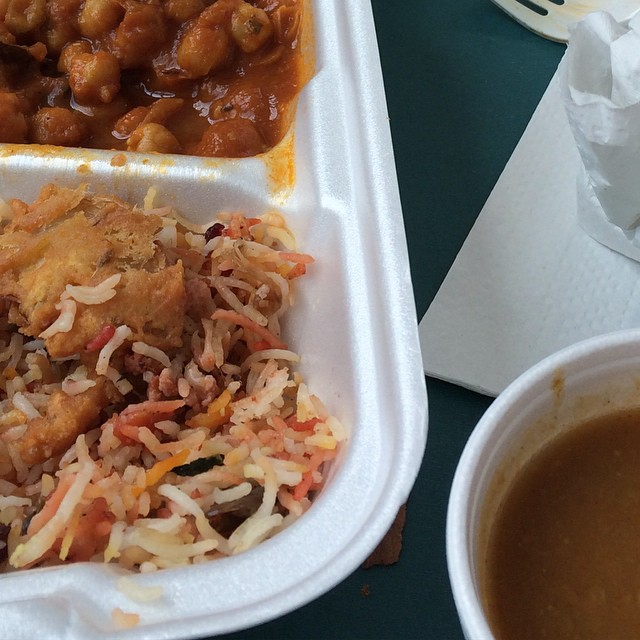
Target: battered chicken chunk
66	418
68	238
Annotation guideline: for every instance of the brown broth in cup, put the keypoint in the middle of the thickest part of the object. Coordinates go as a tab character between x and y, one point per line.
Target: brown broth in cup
563	555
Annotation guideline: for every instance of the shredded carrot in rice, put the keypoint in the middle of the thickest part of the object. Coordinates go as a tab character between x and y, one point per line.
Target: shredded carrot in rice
220	403
247	323
217	414
299	258
152	407
296	271
104	335
160	469
51	505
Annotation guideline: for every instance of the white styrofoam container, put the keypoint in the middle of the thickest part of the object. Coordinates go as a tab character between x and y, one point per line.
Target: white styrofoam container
354	323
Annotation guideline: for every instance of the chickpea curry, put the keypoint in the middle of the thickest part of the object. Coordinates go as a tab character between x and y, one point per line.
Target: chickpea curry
199	77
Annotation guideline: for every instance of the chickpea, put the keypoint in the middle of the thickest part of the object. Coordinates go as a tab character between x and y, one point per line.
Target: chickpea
158	112
203	49
140	34
5	35
250	27
61	25
25	15
69	52
59	126
206	45
218	13
163	108
237	138
38	51
153	138
181	10
97	17
94	77
13	125
126	124
287	21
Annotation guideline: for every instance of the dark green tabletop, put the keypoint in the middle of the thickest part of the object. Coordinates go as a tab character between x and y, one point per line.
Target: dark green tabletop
462	80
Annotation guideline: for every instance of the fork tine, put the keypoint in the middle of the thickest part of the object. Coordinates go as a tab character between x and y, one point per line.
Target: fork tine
548	5
544	5
544	26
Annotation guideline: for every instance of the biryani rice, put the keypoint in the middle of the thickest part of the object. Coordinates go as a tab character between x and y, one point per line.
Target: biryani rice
202	450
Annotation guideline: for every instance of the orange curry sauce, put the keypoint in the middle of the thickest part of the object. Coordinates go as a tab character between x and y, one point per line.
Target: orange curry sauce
208	78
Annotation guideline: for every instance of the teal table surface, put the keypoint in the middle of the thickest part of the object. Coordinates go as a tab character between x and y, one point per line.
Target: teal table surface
462	80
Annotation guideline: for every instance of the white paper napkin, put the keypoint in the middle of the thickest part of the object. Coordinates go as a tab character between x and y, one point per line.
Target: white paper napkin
528	279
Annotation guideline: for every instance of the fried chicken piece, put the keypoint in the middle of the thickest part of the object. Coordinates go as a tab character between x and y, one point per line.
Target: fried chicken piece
150	304
64	238
66	418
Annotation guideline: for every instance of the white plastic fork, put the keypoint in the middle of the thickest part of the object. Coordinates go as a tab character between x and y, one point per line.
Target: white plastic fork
552	19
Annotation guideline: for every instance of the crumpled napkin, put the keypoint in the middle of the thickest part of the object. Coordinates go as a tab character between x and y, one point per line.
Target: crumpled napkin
600	83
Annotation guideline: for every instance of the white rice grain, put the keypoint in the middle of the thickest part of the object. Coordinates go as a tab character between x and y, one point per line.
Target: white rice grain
195	241
196	379
168	427
64	322
148	204
171	525
34	373
167	236
151	352
97	294
74	387
336	428
184	388
139	592
116	537
13	433
33	345
151	442
117	340
21	403
220	496
148	567
13	501
13	351
14	386
266	354
252	471
252	531
270	485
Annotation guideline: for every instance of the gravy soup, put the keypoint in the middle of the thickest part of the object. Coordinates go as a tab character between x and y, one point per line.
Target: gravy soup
563	553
